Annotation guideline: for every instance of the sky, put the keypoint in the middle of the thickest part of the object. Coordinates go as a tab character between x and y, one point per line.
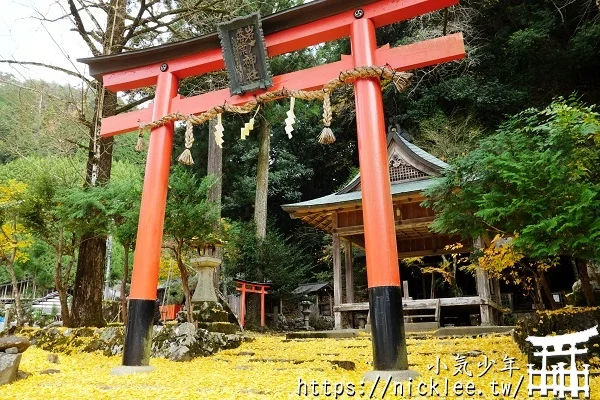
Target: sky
25	38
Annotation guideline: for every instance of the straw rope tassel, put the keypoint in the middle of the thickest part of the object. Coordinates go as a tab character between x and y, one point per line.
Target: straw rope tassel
186	157
219	131
140	145
326	136
401	81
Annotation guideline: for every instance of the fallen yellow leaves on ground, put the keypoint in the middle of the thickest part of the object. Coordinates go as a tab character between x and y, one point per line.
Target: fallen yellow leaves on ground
272	367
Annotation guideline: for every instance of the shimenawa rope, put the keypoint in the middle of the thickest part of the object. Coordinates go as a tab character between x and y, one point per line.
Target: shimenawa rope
401	81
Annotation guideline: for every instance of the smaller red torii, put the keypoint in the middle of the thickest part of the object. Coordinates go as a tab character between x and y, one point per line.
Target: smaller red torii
251	287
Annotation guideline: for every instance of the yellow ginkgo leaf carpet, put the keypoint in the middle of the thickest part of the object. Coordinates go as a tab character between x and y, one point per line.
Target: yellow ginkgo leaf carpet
272	367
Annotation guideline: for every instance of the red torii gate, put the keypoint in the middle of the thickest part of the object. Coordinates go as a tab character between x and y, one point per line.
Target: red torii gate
244	287
290	30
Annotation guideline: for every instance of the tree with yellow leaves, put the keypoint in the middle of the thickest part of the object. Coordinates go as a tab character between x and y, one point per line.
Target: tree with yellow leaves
14	238
503	261
447	268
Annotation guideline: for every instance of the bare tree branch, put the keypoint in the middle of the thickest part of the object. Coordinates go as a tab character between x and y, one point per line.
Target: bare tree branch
136	22
81	146
90	15
184	10
81	116
81	29
133	104
159	24
44	19
54	67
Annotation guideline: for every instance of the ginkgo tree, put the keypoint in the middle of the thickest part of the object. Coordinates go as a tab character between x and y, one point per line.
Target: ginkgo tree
14	238
503	261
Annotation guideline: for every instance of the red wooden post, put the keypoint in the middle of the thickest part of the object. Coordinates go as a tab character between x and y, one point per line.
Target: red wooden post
383	273
243	305
144	278
262	306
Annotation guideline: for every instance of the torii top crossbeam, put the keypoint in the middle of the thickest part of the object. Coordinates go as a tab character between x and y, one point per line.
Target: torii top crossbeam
290	30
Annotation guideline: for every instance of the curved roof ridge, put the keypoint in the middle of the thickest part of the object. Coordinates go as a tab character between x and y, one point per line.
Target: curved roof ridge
422	154
425	158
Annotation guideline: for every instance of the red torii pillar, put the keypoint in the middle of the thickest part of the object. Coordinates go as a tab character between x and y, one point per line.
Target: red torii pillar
135	69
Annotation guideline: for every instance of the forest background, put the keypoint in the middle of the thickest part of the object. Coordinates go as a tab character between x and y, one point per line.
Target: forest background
62	189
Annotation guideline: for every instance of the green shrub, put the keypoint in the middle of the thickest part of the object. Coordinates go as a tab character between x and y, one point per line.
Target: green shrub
560	322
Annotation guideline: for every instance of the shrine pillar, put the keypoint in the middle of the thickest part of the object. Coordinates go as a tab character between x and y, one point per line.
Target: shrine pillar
383	273
262	307
483	289
337	273
349	274
144	278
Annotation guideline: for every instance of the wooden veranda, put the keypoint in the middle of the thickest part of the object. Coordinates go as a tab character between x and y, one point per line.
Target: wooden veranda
411	171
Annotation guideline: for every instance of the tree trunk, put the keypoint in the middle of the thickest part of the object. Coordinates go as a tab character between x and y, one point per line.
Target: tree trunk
262	189
262	179
124	283
61	288
547	291
16	292
185	283
89	278
586	286
538	299
89	282
215	168
63	298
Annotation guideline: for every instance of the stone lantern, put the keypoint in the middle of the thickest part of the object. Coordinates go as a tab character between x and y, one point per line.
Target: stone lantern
205	265
306	312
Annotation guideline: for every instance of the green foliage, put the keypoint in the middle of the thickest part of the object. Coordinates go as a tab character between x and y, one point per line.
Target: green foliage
538	176
37	118
559	322
190	217
124	208
449	137
280	261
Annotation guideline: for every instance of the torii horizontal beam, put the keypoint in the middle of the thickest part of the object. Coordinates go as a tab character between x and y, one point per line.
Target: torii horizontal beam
402	58
334	27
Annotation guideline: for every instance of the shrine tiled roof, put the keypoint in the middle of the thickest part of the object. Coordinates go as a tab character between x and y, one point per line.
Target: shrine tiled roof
310	287
350	197
428	166
425	155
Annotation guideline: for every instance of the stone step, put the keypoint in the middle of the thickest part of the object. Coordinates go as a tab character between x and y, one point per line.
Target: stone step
222	327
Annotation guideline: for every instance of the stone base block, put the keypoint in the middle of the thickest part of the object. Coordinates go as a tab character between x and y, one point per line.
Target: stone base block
128	370
421	326
9	367
396	376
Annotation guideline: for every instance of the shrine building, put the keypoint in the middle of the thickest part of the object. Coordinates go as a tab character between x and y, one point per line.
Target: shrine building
411	171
